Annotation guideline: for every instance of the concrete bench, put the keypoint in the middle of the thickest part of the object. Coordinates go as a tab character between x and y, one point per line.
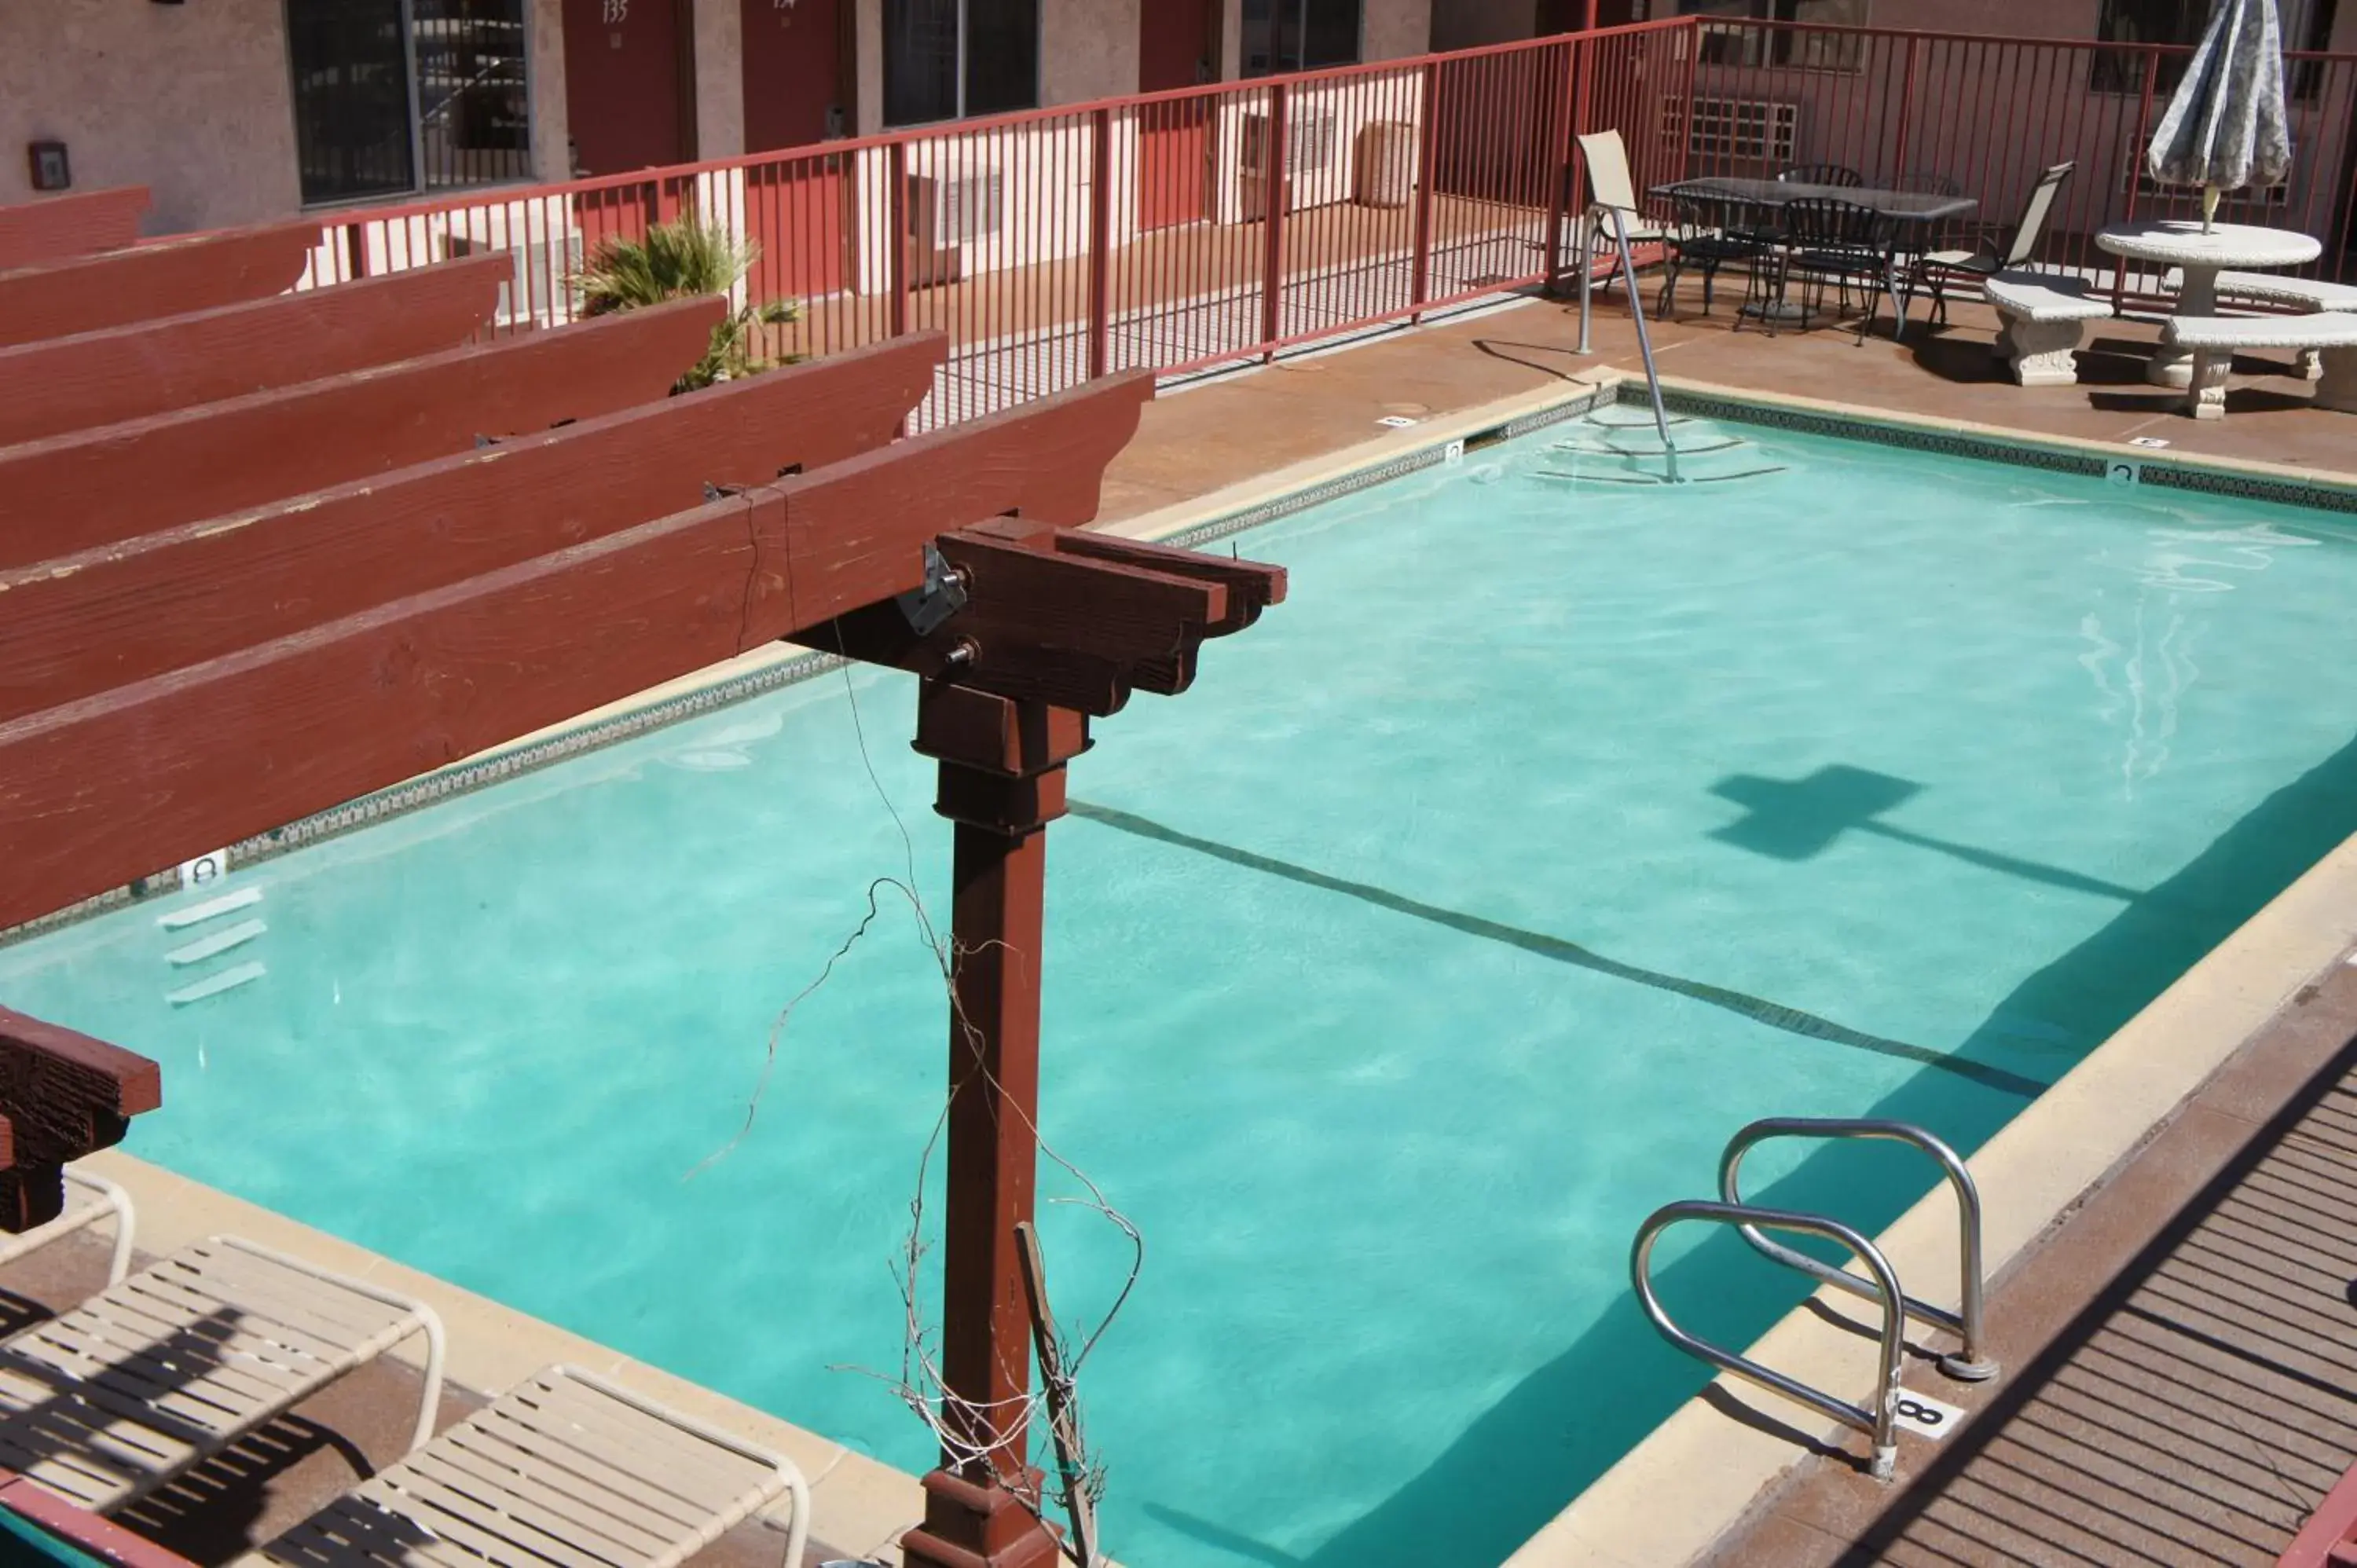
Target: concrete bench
2300	294
2042	314
2331	335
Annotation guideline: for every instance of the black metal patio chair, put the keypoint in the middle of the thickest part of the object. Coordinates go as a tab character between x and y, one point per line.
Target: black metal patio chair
1704	236
1820	174
1828	239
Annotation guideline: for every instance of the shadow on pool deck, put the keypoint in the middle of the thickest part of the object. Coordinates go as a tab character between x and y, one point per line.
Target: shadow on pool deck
1522	1461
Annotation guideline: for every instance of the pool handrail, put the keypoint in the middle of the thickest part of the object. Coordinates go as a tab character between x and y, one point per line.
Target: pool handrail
1879	1423
1970	1363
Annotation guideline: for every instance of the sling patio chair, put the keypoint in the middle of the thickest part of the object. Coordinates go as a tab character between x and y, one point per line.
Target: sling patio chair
566	1468
1991	256
105	1403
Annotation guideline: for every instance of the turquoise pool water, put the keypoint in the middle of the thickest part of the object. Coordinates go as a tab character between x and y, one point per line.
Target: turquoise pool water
1448	927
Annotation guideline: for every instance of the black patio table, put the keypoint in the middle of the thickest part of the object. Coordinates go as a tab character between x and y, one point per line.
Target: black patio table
1904	206
1899	206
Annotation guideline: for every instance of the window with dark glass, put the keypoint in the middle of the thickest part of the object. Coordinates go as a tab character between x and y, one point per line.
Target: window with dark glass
2307	26
1280	35
395	96
945	59
1781	46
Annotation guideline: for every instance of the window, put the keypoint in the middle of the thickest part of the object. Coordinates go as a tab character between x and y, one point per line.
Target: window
395	96
2306	24
1781	46
945	59
1280	35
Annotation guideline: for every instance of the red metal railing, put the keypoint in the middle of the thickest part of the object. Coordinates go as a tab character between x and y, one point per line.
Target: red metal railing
1988	113
1221	225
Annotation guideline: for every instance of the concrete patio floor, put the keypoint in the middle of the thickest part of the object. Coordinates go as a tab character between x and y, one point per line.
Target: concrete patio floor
1201	437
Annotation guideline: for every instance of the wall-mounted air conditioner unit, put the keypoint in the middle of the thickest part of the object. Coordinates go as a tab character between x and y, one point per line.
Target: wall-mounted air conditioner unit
1309	150
1724	132
538	290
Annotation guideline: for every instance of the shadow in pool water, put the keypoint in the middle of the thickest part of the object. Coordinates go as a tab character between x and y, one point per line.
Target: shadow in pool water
1758	1009
1795	818
1517	1465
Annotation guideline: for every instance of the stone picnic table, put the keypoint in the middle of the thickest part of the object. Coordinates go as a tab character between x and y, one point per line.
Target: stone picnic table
2179	242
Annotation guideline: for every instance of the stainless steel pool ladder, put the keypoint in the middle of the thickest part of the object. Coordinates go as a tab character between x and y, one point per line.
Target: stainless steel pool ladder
1968	1363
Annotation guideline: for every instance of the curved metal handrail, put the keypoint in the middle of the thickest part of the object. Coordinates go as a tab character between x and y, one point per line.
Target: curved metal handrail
1880	1422
1970	1363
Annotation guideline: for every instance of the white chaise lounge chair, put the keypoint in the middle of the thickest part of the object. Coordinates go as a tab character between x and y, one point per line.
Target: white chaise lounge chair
153	1376
563	1469
89	1200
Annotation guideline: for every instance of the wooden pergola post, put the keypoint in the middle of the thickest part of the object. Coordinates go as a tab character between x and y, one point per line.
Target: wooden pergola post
1002	783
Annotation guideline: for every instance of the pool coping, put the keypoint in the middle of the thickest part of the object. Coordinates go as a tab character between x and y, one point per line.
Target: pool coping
1700	1472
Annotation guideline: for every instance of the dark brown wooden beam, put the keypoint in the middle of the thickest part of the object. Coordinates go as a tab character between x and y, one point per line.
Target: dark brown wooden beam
62	384
53	228
72	492
113	787
1071	619
64	1095
169	278
124	612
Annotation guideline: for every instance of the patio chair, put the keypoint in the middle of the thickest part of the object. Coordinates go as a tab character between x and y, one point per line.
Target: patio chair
1989	257
150	1378
1704	236
1820	174
565	1468
1918	240
1828	239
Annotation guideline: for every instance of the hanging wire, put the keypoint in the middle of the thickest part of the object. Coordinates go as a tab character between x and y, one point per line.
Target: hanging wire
973	1434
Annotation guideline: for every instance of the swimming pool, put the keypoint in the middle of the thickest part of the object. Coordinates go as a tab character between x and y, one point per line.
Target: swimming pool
1449	925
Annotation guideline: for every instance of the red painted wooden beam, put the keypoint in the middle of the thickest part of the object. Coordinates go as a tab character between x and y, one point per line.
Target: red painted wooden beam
99	792
96	486
51	229
170	277
63	384
63	1095
94	1534
76	626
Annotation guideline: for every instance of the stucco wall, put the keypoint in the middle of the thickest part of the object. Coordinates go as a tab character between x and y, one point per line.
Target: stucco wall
1470	24
551	158
1391	28
191	101
1089	49
719	78
2001	18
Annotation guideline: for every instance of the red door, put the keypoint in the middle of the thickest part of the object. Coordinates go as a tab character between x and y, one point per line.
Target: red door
795	208
1174	50
622	92
793	50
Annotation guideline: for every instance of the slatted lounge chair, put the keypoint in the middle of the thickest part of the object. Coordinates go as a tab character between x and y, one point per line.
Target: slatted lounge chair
563	1471
90	1199
152	1377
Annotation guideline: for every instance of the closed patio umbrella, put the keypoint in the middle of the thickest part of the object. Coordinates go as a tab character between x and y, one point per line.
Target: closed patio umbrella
2226	127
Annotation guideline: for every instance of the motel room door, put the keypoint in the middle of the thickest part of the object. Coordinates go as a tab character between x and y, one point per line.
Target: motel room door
1177	46
798	93
795	76
624	96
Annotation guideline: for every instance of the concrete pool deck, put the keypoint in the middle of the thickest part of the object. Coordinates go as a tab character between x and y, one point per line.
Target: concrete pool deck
1224	445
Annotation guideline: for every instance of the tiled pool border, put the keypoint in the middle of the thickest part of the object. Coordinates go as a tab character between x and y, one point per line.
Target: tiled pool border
1203	520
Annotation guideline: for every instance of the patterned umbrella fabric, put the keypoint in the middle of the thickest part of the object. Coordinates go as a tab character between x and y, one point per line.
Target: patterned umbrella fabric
2226	128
